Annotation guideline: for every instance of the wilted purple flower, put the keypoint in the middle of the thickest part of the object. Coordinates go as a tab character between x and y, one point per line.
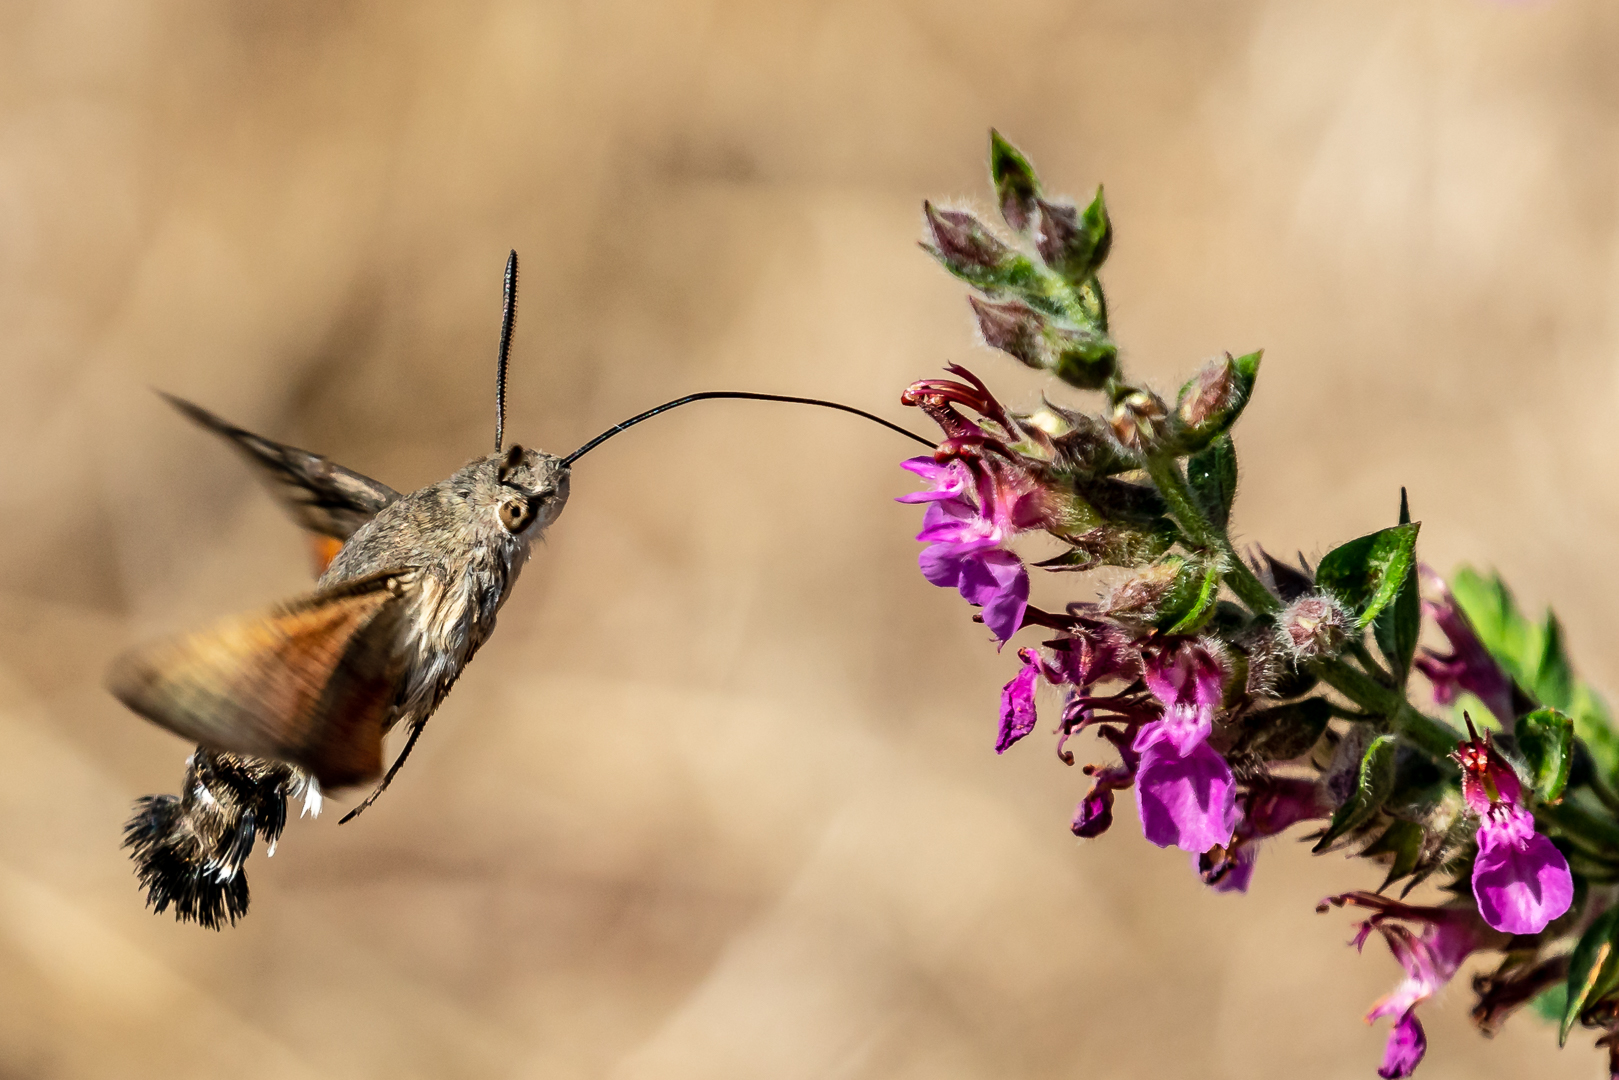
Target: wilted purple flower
1520	880
1094	815
1094	651
1271	805
1185	792
1017	703
1448	935
1469	665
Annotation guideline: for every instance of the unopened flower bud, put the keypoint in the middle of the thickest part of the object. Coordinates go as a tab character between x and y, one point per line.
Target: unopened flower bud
968	249
1139	420
1314	626
1071	242
1080	357
1211	400
1016	186
1176	595
1013	327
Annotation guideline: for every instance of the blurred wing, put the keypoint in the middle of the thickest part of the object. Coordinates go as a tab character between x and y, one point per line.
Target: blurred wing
311	682
331	502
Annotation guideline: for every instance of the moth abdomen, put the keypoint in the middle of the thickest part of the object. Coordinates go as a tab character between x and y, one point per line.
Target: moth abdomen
190	850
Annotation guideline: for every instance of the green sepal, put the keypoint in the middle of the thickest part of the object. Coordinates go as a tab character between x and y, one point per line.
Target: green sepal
1593	969
1016	186
1372	788
1366	574
1403	841
1546	741
1115	545
1283	732
1190	602
1398	626
1549	1004
1212	475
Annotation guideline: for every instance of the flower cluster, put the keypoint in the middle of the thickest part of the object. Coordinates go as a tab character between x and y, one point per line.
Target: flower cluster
1241	697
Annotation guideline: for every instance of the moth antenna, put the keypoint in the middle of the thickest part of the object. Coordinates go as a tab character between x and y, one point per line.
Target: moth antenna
740	395
508	319
410	744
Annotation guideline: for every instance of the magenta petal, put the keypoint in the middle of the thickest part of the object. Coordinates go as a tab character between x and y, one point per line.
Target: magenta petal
1189	801
997	582
1017	707
1407	1043
1520	884
948	520
1184	729
926	468
941	564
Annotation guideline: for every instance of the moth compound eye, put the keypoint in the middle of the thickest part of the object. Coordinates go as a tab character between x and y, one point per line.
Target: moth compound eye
514	514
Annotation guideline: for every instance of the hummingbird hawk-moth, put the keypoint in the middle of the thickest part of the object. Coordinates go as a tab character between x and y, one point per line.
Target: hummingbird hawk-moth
295	700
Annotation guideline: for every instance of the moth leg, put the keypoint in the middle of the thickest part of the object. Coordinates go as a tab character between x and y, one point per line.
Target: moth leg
189	849
410	744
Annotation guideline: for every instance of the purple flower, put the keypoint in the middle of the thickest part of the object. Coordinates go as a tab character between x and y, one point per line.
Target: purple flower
1269	806
1520	880
1447	936
1469	665
967	541
1185	799
1185	792
1017	703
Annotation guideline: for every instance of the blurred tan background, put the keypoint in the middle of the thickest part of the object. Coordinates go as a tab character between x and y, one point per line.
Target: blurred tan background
719	800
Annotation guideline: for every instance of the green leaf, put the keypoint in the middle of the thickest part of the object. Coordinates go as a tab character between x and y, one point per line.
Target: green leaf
1285	731
1212	474
1593	725
1553	681
1514	641
1367	573
1372	788
1016	186
1398	626
1593	969
1546	741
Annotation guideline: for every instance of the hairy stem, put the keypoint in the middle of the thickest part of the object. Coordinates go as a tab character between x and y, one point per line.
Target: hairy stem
1171	483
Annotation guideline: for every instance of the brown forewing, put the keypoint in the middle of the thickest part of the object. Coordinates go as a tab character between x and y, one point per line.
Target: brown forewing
310	682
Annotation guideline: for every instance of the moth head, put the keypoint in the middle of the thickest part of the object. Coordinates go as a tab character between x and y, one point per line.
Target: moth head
530	488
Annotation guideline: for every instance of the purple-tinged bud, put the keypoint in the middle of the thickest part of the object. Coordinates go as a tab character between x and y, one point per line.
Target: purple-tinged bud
1080	357
1140	420
1073	243
1211	400
1139	599
1016	186
1012	327
968	249
1313	627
